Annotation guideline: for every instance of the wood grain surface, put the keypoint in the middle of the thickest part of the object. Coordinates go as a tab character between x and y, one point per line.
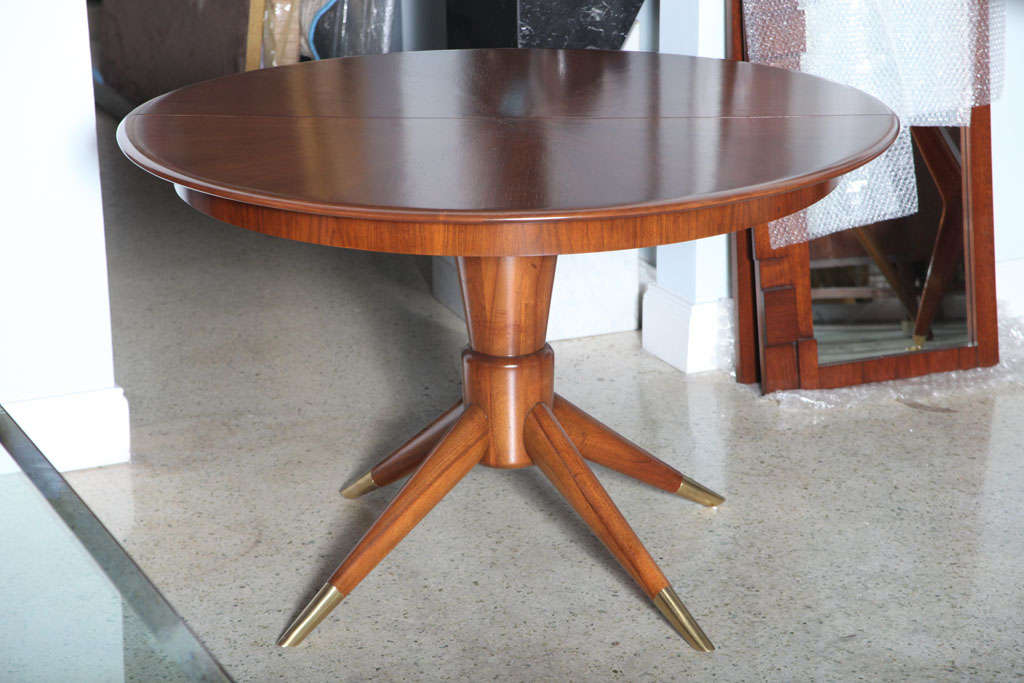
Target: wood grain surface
506	152
599	443
409	455
448	462
556	456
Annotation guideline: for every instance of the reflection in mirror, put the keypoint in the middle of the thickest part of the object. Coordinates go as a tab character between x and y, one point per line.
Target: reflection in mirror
898	286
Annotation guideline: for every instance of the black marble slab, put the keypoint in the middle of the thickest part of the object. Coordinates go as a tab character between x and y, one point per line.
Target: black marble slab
481	23
602	24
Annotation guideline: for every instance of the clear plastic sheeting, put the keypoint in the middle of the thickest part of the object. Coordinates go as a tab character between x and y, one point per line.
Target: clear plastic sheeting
725	345
343	28
280	33
931	61
926	392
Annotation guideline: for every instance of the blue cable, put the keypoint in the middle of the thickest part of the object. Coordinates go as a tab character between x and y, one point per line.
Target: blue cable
312	26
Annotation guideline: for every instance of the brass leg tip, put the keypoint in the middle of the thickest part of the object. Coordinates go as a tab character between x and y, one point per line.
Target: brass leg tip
918	342
326	599
363	485
691	490
669	604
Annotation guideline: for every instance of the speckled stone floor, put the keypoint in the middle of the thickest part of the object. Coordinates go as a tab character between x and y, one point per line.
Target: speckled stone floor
877	542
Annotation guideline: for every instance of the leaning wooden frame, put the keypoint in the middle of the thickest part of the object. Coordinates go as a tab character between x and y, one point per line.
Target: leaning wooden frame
775	343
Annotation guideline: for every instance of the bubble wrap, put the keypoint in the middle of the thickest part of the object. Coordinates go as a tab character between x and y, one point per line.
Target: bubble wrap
925	390
929	60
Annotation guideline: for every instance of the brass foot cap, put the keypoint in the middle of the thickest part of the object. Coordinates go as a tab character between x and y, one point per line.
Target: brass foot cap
918	342
363	485
326	599
691	490
669	604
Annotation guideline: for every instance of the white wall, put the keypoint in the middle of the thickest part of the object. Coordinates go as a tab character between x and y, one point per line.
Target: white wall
56	357
1008	168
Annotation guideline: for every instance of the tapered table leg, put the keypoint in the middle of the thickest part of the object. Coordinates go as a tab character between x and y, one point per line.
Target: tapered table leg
447	463
406	457
552	451
599	443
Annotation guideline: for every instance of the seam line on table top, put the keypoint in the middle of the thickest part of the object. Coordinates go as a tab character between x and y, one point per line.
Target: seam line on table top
496	118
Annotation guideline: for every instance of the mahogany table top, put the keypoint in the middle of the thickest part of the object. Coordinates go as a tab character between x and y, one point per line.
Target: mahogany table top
506	151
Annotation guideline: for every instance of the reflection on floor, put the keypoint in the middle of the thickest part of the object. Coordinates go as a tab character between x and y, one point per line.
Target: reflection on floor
64	620
840	343
881	542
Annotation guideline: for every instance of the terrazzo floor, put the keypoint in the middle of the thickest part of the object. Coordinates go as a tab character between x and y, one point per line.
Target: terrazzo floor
877	542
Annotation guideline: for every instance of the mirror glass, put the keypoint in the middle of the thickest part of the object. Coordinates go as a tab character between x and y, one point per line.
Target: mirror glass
898	286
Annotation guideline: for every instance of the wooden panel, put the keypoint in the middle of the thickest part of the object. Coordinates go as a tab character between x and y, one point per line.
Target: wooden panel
745	307
780	369
968	357
775	272
981	247
890	367
734	39
780	316
763	245
807	362
800	263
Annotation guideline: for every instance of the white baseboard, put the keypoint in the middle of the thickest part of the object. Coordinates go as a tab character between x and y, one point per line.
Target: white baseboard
76	431
690	337
593	293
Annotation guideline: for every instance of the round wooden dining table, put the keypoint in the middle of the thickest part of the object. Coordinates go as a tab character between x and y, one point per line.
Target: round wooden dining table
506	158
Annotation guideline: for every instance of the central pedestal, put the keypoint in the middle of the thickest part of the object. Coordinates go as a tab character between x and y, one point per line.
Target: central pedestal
510	417
507	389
508	367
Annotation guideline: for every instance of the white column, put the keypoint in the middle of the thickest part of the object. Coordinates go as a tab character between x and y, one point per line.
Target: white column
687	318
1008	169
56	356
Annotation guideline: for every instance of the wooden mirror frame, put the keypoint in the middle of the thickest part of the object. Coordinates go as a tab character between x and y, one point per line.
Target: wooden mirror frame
775	342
